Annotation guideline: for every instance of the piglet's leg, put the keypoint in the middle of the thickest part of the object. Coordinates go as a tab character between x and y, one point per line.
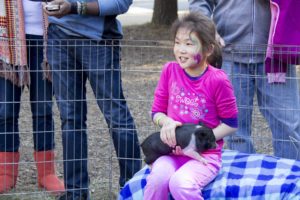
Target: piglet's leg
195	155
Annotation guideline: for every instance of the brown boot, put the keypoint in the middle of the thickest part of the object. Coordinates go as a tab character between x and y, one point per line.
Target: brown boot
46	172
9	162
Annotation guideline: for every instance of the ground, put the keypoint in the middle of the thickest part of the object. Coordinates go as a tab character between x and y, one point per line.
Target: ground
145	49
147	32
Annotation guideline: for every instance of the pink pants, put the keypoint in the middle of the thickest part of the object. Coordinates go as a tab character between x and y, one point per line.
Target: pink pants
182	176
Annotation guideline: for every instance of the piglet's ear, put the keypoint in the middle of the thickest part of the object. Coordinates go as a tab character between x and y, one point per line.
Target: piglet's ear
204	130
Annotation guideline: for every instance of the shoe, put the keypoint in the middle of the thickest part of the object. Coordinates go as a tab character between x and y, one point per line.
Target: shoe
46	172
9	163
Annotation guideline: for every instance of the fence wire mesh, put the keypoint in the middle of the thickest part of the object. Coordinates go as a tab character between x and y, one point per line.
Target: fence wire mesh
141	63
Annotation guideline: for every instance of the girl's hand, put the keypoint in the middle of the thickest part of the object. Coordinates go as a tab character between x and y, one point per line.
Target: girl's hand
167	132
178	151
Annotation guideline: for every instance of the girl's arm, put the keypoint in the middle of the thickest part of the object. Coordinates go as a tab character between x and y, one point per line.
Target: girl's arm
223	130
226	106
167	132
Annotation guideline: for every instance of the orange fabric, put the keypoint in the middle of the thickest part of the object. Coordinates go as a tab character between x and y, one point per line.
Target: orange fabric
13	54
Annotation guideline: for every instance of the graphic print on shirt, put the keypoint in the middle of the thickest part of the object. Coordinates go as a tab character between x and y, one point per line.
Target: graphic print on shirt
187	103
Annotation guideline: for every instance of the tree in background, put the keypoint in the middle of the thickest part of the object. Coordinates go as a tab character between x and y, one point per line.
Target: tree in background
165	12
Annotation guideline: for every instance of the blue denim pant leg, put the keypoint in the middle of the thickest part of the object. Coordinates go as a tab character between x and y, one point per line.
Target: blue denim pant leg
243	81
69	78
279	103
69	88
104	74
41	104
10	97
41	94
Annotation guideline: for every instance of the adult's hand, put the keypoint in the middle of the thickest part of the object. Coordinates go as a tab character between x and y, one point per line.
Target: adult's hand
65	8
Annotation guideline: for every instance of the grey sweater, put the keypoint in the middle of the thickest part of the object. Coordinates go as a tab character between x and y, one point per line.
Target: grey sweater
243	24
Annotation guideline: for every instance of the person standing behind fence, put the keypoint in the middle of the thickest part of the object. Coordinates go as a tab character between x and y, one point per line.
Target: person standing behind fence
190	90
83	43
21	58
244	26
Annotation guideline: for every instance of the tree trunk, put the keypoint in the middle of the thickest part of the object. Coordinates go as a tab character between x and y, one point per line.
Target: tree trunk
165	12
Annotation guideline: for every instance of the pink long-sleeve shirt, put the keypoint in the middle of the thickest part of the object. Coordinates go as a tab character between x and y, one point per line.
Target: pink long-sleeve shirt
208	99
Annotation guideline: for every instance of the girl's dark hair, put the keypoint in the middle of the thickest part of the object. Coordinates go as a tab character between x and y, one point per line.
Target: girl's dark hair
205	30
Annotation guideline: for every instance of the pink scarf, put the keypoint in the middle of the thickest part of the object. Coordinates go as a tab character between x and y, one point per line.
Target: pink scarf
13	54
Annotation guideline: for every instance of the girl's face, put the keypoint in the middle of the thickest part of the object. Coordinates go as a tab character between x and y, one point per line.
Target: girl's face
188	50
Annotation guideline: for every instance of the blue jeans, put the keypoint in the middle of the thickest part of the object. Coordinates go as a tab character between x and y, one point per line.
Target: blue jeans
41	104
73	61
278	102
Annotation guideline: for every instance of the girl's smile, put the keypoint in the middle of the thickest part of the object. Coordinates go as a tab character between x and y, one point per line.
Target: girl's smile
187	51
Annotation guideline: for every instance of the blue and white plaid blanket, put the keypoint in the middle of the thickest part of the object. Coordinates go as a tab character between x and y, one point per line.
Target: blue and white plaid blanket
242	177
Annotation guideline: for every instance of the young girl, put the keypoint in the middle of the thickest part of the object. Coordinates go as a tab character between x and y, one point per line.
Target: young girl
190	91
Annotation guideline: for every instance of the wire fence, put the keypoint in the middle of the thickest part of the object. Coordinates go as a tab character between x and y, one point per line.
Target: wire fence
141	64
